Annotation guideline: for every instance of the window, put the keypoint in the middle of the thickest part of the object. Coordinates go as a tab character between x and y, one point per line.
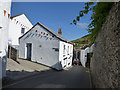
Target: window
22	30
68	49
56	49
64	49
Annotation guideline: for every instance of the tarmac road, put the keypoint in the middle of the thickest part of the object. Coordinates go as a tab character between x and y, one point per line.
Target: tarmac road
75	77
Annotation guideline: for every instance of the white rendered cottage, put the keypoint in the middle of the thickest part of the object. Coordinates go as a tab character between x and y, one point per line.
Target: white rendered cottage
84	53
19	25
43	45
5	7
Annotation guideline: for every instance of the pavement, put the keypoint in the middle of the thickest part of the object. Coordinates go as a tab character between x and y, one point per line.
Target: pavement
24	65
74	77
21	69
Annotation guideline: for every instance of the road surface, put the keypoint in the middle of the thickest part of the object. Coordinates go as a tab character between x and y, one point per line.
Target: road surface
75	77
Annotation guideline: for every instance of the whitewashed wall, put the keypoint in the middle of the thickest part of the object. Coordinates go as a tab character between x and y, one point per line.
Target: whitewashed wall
50	50
82	57
65	56
15	28
4	24
92	48
45	54
83	54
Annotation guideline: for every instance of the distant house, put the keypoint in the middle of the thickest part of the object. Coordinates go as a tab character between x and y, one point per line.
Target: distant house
5	7
19	25
43	45
85	56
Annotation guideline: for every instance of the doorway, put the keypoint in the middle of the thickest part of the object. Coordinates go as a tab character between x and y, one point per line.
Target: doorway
29	51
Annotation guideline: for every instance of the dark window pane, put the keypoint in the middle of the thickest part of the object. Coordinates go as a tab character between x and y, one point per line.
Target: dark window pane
23	30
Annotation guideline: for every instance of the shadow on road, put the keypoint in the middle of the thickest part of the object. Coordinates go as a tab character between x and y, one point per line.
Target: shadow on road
14	76
75	77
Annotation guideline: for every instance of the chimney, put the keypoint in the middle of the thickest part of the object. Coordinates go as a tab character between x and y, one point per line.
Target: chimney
60	31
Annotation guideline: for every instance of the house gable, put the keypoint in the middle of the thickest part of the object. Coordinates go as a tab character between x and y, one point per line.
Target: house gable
21	18
19	25
42	30
37	33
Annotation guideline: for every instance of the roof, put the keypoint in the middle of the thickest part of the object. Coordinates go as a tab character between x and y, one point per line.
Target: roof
20	15
49	30
16	15
53	32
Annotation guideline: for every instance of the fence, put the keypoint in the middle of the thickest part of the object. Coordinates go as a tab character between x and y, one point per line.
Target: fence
12	53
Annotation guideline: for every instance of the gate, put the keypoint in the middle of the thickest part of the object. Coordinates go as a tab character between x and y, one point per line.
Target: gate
12	53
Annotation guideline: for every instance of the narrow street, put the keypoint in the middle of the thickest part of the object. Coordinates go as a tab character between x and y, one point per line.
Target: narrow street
75	77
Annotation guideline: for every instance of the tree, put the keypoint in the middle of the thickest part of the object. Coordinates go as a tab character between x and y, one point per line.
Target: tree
100	11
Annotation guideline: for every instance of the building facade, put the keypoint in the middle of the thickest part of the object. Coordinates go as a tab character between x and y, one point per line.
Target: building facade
45	46
84	55
5	6
19	25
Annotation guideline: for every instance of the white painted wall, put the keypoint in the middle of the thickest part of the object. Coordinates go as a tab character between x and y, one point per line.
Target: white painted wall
4	23
46	54
82	57
65	55
15	28
91	48
83	54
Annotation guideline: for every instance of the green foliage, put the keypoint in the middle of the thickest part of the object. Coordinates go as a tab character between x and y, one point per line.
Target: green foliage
100	11
83	40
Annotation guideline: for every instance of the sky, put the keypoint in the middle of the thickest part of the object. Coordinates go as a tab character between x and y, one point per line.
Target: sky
55	15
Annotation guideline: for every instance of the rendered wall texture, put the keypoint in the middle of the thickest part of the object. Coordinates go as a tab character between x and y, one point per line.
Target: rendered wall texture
46	49
43	48
15	26
5	5
65	54
105	65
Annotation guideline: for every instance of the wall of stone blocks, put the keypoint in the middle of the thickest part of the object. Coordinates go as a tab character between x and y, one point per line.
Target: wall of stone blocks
105	65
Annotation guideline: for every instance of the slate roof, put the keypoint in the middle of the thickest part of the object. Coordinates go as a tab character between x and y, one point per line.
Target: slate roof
53	32
49	30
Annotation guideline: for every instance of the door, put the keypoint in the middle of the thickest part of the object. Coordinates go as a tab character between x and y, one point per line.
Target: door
64	56
88	60
29	51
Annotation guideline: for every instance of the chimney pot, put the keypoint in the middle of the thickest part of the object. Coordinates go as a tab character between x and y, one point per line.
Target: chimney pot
60	31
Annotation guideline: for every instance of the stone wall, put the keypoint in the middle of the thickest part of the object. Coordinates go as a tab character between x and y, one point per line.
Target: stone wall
106	61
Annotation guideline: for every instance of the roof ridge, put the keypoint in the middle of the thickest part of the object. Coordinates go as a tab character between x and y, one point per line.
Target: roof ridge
17	15
52	31
46	27
49	30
